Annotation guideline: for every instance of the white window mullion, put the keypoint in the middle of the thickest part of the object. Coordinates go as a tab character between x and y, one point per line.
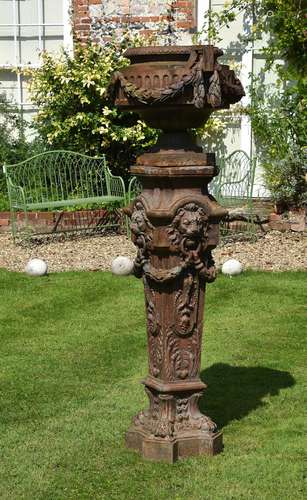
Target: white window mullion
40	25
19	83
15	32
16	23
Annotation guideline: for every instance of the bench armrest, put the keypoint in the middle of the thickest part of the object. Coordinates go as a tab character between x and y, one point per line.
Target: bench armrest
115	184
16	193
134	188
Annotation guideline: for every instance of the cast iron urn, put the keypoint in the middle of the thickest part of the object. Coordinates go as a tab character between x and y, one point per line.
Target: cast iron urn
175	226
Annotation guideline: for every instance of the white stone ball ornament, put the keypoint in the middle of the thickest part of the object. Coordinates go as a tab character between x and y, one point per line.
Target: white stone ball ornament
232	267
36	267
122	266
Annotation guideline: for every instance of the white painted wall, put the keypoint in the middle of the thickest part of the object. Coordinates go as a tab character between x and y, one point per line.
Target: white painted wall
239	134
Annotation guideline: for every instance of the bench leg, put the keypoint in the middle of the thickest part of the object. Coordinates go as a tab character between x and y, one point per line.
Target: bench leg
13	225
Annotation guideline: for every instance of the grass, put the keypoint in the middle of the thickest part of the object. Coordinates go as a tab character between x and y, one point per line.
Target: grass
73	349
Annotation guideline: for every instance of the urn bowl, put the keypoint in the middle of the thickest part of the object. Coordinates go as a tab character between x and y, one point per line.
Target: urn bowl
177	87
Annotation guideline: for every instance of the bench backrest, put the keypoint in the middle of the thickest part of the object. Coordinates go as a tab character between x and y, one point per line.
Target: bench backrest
60	175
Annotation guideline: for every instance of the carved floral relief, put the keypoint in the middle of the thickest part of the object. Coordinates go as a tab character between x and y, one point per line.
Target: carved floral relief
169	415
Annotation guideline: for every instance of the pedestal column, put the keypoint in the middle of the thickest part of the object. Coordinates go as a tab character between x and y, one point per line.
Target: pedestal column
175	225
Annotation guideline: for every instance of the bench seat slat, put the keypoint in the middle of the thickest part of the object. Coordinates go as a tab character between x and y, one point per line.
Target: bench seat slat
71	202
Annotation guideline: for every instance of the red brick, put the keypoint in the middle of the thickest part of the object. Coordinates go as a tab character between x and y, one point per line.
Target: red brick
147	32
183	24
47	216
147	19
184	4
32	215
277	223
81	11
82	27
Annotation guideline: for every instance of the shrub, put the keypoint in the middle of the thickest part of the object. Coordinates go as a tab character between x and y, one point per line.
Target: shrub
13	145
76	110
12	140
279	126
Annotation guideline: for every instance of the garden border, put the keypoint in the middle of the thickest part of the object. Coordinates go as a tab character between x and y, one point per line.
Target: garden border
45	219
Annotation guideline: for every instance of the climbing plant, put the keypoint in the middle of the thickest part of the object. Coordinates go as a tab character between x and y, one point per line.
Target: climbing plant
278	110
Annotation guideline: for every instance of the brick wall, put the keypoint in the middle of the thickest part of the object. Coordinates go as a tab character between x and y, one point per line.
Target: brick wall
99	19
47	222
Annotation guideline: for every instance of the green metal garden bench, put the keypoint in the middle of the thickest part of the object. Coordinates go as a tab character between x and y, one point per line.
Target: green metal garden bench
57	180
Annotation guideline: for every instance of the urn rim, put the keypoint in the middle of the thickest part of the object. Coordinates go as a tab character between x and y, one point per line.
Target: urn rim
168	50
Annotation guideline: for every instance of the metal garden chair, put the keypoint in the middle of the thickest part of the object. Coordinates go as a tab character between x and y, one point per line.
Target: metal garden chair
233	187
57	180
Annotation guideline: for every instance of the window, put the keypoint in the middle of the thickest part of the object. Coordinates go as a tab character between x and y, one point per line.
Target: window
27	27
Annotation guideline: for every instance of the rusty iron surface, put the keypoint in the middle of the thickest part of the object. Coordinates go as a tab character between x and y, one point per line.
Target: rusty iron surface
183	85
175	226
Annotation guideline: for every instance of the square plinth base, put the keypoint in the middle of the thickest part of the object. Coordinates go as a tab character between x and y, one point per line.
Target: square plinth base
162	450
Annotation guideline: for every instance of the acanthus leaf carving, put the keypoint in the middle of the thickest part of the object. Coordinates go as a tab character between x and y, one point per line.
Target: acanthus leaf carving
170	415
158	419
186	302
182	358
155	343
189	418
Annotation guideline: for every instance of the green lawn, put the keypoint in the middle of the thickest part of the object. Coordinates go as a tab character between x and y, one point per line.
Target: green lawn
73	349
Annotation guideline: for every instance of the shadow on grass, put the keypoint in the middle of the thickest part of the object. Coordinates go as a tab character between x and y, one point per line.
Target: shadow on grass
233	391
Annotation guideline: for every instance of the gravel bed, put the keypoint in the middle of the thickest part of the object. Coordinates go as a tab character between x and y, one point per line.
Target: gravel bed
274	251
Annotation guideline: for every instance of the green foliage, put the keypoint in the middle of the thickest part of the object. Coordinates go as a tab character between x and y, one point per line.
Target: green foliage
75	106
278	114
4	202
279	125
13	145
73	349
12	141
